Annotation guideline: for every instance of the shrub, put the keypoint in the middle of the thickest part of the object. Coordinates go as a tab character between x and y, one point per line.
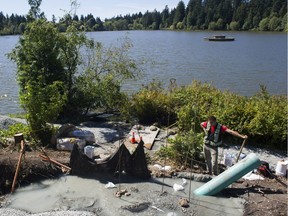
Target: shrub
234	26
153	104
185	147
267	120
263	117
14	129
264	24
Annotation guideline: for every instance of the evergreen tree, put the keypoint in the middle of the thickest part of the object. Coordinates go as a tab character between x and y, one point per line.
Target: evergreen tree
179	13
164	17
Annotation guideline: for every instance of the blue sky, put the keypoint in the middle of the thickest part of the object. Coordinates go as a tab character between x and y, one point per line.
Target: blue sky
99	8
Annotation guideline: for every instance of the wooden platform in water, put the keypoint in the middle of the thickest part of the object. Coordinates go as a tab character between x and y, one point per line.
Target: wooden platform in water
147	135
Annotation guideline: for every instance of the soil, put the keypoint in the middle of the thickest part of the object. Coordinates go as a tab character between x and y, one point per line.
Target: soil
263	197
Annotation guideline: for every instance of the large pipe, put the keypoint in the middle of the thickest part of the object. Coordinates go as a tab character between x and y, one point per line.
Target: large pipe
229	176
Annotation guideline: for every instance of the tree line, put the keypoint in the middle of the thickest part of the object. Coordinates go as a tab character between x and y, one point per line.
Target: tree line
263	15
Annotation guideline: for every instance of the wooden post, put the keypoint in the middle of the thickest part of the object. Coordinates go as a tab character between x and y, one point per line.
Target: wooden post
22	144
241	150
18	138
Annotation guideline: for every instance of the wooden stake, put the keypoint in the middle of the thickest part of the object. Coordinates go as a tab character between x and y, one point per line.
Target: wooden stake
46	158
22	151
241	149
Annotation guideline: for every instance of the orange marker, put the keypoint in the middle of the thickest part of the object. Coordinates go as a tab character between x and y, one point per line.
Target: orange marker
133	140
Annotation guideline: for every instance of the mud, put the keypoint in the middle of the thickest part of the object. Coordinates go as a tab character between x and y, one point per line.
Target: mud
147	198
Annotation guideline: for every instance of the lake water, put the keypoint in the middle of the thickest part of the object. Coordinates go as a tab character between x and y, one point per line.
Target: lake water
240	66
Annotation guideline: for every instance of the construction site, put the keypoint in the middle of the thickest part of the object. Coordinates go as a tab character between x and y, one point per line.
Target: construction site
116	171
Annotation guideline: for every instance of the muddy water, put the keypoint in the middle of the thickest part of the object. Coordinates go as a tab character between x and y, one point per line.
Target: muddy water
147	198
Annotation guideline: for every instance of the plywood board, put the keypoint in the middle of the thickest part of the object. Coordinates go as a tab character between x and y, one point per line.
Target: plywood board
147	135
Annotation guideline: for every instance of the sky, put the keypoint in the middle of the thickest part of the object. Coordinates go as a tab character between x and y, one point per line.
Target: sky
98	8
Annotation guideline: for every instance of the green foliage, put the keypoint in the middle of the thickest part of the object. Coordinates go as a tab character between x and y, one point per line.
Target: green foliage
212	26
43	104
47	61
275	24
268	118
49	79
99	86
198	15
234	26
264	24
180	12
180	25
183	148
262	117
34	12
15	129
152	104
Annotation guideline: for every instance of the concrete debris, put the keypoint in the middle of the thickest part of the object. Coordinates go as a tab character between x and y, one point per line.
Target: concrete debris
194	176
110	185
178	187
153	128
137	207
121	193
183	202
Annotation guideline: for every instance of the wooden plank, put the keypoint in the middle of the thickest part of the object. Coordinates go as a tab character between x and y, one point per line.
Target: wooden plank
147	135
148	145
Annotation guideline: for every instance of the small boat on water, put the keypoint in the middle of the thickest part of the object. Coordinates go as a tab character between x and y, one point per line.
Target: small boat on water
219	38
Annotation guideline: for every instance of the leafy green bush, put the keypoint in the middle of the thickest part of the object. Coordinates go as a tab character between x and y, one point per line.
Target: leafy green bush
268	118
99	86
184	147
152	104
262	117
15	129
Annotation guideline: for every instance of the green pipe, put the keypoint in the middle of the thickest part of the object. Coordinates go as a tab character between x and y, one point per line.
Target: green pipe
229	176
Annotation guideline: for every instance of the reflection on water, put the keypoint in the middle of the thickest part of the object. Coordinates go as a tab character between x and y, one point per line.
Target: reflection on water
239	66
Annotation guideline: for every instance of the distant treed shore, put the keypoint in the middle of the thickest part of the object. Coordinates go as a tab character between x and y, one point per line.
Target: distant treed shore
262	15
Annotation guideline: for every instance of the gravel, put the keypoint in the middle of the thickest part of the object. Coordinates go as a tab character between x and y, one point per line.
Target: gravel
14	212
269	156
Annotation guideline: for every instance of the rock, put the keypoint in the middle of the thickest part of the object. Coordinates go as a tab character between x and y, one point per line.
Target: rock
172	131
183	202
137	207
89	124
64	130
194	176
153	128
10	142
6	122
